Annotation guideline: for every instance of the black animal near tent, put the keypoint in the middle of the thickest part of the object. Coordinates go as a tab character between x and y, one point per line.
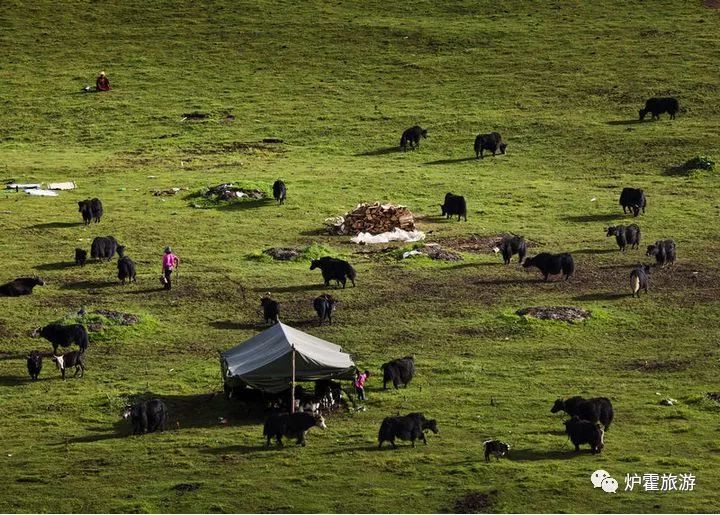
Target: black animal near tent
280	356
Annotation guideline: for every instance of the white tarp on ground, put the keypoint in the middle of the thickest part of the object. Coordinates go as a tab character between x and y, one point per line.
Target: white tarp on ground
396	234
61	186
41	193
265	360
17	186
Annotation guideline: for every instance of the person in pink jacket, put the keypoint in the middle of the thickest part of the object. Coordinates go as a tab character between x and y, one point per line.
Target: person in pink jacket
360	378
169	263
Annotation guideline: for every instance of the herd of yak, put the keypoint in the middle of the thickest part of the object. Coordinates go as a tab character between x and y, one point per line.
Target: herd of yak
590	418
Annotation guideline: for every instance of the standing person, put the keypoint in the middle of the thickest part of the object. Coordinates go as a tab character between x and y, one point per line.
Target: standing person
102	83
360	379
169	263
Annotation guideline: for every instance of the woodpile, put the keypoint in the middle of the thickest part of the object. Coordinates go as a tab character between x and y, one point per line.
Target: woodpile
373	218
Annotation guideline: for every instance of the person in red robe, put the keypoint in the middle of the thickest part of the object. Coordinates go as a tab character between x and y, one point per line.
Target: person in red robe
102	83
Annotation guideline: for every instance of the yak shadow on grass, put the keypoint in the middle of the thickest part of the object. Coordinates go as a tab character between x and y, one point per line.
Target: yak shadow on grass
602	296
243	205
451	161
184	412
242	449
89	285
603	217
238	326
529	280
14	380
55	225
62	265
296	288
539	455
380	151
594	251
144	291
634	121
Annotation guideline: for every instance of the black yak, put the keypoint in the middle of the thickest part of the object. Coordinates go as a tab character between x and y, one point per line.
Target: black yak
291	425
595	409
34	364
80	257
125	266
454	205
64	335
495	448
91	210
658	106
412	137
71	359
398	371
633	200
279	191
625	235
585	432
664	252
511	245
492	142
334	270
640	279
409	427
324	306
552	264
103	247
271	309
20	286
147	417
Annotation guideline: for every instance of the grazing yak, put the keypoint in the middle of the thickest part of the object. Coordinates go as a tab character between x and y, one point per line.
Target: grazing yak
495	448
492	142
585	432
410	427
658	106
454	205
633	200
279	191
640	279
625	235
412	137
103	247
398	371
91	210
34	364
64	335
324	306
71	359
511	245
147	416
291	425
125	266
664	252
80	257
271	309
552	264
334	270
598	409
20	286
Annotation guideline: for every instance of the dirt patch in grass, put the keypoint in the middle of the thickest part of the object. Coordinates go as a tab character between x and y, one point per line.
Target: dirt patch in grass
657	365
473	502
562	313
237	147
120	318
712	4
186	487
714	396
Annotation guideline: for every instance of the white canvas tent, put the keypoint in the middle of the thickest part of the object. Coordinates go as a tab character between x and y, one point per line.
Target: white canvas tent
280	356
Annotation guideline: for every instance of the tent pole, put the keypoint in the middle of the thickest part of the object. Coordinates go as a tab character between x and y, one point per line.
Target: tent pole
292	387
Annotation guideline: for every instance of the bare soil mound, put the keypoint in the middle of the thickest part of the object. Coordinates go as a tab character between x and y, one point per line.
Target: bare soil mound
562	313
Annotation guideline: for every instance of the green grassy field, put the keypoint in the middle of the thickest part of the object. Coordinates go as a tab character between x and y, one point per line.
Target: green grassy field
338	82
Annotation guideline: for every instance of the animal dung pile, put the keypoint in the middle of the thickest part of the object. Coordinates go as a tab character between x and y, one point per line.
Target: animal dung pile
118	317
372	218
282	253
562	313
231	192
473	502
434	251
166	193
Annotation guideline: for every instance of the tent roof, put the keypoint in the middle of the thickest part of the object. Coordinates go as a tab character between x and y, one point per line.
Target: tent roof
265	360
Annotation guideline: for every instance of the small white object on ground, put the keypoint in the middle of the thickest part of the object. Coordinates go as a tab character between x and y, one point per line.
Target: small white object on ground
411	253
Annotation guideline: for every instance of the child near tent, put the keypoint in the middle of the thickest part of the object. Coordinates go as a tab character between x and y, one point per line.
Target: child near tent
360	379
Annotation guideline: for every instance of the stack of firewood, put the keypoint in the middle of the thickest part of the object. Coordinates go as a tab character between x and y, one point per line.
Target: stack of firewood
373	218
